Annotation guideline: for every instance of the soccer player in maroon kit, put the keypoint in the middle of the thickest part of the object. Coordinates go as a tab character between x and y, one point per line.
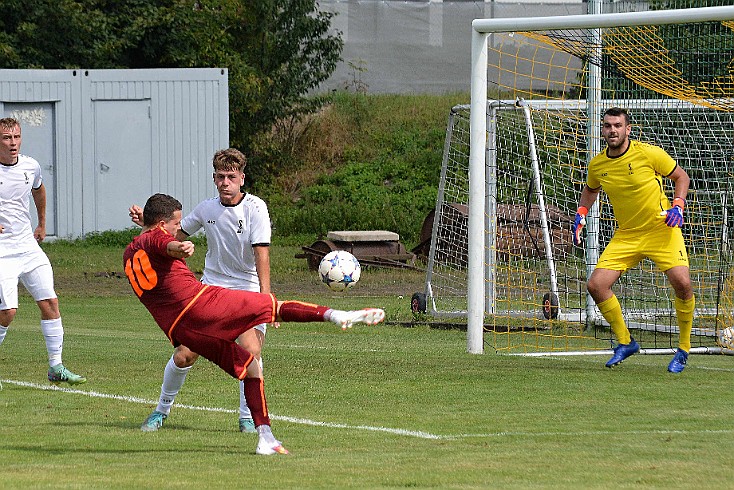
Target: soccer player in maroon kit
208	319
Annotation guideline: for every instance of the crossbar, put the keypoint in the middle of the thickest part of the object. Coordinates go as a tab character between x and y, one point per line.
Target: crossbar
624	19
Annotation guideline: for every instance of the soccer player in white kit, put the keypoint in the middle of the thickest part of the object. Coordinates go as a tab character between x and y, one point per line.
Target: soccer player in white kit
237	227
21	258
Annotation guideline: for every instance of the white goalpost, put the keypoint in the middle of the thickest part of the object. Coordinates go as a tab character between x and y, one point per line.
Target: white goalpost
538	88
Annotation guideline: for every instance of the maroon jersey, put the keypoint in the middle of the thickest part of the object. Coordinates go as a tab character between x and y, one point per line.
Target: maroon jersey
177	300
164	284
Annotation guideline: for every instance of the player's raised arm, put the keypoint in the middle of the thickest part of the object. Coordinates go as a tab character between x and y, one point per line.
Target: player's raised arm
136	214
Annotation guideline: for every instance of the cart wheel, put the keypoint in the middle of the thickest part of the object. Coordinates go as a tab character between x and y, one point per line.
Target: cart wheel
418	303
550	306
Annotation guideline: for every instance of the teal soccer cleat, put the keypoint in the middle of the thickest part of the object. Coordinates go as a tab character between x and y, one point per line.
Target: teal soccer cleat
247	425
59	374
154	421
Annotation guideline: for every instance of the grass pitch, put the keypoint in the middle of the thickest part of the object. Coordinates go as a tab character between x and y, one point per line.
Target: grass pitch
373	407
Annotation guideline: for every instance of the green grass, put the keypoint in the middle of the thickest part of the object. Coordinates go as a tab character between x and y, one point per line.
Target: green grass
373	407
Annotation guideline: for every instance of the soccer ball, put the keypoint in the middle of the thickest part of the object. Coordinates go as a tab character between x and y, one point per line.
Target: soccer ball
726	338
339	270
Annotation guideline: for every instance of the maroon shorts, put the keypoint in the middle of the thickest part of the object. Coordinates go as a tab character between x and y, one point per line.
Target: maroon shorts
216	318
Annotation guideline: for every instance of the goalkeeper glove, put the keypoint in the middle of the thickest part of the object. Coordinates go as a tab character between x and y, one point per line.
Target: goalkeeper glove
674	215
578	224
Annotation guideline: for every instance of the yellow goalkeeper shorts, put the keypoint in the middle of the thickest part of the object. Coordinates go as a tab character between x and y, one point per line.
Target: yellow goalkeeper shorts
663	245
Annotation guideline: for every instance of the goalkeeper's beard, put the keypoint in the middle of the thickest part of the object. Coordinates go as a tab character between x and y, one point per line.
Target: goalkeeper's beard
620	143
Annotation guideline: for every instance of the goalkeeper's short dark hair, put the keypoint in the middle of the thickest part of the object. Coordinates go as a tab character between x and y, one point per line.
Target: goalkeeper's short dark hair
618	111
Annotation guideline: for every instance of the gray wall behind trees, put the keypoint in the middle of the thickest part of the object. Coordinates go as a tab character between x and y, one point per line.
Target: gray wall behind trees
424	46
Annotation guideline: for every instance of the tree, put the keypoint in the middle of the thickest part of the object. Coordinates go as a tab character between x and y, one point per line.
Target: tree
276	51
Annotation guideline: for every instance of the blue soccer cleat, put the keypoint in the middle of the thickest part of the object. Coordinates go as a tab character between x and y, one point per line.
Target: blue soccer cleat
678	363
622	352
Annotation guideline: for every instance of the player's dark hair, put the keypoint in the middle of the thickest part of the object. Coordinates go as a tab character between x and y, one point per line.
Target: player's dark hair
160	207
618	111
8	123
229	159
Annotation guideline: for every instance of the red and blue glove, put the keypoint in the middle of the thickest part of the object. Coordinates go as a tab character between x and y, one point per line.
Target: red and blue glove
578	224
674	215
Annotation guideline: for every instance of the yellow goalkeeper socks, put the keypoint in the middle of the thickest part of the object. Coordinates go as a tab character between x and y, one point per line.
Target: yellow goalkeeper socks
684	311
611	310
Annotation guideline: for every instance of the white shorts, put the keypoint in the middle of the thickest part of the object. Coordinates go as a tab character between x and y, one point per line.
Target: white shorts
33	269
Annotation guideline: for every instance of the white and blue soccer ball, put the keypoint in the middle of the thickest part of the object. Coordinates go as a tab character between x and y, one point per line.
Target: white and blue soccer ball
339	270
726	338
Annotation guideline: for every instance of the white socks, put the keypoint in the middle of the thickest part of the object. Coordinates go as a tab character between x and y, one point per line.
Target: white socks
53	332
266	434
173	380
3	332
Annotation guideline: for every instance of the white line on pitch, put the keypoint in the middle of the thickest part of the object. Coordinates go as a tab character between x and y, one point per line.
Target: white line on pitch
596	433
295	420
400	432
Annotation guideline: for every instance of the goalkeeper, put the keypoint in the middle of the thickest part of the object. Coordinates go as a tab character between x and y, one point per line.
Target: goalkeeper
631	172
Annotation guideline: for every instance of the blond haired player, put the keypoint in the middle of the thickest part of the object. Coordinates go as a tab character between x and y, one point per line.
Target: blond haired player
631	173
21	258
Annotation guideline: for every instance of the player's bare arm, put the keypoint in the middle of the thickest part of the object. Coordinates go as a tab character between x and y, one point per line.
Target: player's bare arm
180	250
262	266
588	197
39	199
674	215
181	235
682	182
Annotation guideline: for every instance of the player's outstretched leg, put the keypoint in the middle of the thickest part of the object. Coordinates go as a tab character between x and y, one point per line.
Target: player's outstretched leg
298	311
345	319
622	352
59	374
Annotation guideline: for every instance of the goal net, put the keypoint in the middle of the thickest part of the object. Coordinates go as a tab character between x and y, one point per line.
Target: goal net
511	267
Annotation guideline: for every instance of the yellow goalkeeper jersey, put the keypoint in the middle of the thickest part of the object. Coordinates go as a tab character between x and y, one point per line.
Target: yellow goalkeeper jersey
633	182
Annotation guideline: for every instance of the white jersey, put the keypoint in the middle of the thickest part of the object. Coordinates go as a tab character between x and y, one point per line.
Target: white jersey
231	231
16	183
